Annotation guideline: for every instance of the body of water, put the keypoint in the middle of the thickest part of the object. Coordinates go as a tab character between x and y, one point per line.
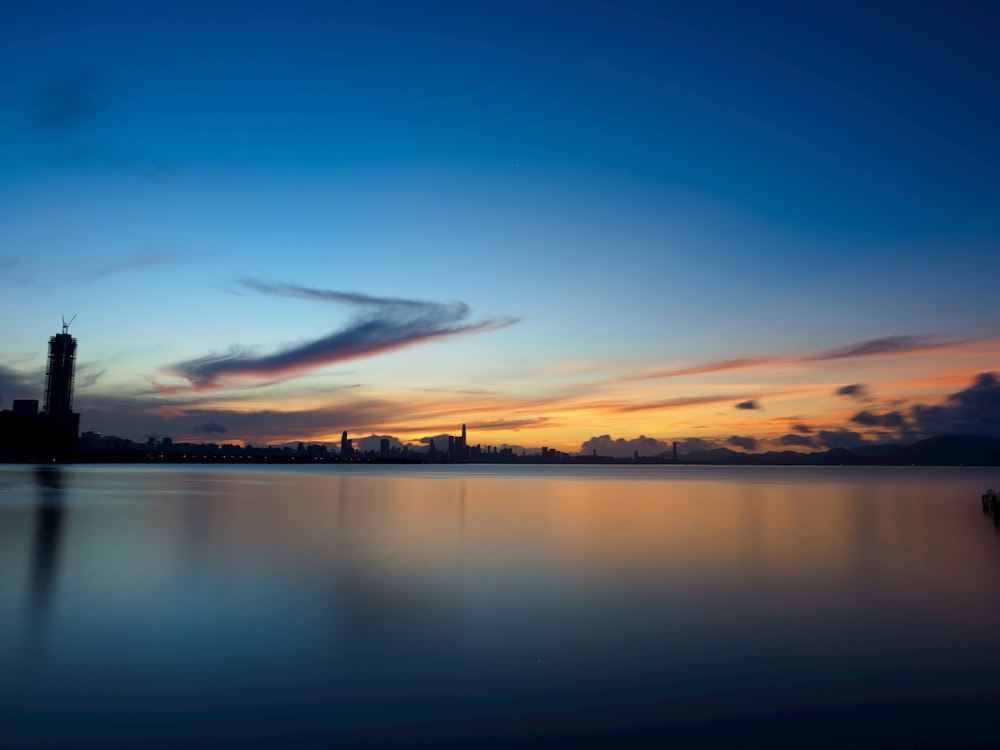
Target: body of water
384	606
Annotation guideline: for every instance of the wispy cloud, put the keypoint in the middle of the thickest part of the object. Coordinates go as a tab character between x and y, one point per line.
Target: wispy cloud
135	263
891	420
381	325
890	345
887	346
670	403
508	424
22	273
704	368
87	377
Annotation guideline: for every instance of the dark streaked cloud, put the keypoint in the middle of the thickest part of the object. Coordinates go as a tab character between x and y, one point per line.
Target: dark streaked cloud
751	404
507	424
866	418
381	325
705	368
904	344
892	419
670	403
86	377
802	427
971	411
746	443
886	346
854	390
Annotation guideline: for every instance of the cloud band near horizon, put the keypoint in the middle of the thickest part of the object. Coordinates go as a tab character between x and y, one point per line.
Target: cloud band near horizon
887	346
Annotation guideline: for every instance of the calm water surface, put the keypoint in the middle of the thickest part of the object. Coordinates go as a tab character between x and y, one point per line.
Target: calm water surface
461	606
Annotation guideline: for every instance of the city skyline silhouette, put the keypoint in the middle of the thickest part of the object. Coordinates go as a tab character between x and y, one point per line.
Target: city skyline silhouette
53	434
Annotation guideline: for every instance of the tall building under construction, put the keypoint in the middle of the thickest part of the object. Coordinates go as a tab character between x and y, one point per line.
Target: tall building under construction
63	424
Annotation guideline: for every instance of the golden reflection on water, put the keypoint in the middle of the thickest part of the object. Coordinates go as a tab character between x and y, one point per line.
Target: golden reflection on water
910	540
705	592
822	543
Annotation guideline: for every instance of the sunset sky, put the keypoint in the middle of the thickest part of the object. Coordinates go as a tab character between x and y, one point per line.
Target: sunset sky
760	225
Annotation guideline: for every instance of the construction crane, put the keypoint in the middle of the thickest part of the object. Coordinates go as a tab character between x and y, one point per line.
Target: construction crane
65	324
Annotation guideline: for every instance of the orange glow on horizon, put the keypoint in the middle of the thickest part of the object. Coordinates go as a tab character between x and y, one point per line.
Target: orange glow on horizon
564	409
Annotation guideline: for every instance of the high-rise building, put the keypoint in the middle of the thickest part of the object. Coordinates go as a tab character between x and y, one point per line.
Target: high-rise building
63	425
59	377
458	448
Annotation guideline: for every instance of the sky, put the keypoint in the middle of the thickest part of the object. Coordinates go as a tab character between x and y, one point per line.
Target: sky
576	225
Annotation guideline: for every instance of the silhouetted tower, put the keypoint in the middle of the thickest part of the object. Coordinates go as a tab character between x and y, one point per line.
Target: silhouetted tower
458	449
62	424
346	447
59	378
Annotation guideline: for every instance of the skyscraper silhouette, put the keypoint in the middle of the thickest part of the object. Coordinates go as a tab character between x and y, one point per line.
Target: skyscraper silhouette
458	448
59	378
63	425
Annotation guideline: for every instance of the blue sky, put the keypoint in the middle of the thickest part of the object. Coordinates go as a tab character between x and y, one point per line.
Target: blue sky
613	189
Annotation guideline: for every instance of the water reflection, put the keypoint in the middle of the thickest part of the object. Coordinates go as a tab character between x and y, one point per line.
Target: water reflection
48	531
385	556
397	608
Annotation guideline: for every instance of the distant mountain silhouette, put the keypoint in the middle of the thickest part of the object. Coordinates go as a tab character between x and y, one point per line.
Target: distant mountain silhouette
952	450
947	450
